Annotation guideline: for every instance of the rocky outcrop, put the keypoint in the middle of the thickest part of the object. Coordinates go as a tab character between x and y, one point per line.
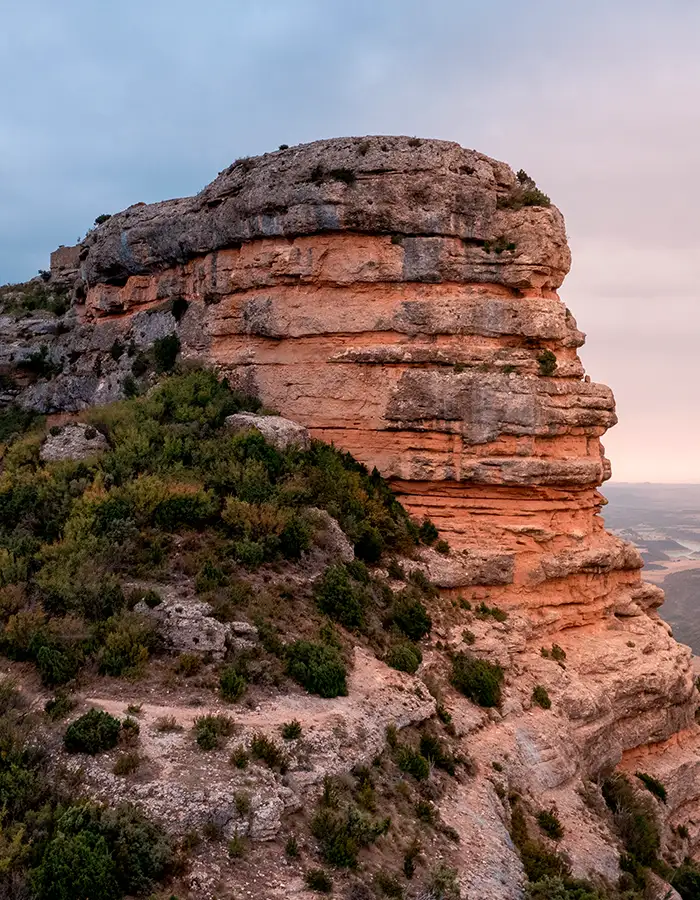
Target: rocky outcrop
278	431
397	297
75	441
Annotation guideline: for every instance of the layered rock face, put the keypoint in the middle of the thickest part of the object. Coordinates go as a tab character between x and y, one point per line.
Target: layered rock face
398	297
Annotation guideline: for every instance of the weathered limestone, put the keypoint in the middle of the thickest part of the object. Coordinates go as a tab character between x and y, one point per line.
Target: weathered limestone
389	296
75	441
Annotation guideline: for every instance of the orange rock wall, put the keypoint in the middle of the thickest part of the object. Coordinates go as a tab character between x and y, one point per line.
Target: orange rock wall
438	385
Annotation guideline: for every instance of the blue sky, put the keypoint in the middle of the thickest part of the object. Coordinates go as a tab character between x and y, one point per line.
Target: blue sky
105	104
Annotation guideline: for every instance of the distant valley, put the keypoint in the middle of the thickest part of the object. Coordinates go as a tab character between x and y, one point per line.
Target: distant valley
663	521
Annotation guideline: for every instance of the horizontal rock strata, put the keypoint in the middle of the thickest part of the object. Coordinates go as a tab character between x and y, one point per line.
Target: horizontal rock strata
399	299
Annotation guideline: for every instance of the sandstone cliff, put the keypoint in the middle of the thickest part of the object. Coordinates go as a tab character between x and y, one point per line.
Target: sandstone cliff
399	298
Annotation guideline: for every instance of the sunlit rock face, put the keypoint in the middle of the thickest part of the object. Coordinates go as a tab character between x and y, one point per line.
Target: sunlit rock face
398	297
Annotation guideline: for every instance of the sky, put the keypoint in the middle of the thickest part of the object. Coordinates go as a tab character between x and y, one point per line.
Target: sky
106	104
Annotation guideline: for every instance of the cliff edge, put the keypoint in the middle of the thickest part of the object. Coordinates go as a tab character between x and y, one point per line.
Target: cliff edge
398	297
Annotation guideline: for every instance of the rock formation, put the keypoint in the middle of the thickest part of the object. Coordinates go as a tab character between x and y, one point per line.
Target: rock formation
398	297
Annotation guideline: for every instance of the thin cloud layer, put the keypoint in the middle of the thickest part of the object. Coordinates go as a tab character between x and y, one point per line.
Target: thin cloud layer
104	105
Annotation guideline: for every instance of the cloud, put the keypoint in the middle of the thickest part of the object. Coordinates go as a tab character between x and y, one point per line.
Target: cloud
115	103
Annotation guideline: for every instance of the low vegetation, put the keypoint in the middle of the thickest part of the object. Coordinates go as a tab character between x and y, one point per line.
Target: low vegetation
173	477
478	679
55	847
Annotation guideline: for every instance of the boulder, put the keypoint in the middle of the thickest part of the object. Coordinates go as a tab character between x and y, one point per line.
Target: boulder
74	441
280	432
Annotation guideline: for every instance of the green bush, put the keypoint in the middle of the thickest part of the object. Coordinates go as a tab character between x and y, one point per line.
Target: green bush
266	750
434	750
549	822
317	667
483	612
208	730
410	616
232	684
77	866
388	885
547	362
126	640
653	785
634	818
188	664
541	697
165	351
405	658
412	762
686	880
319	881
477	679
291	731
427	532
341	833
92	733
340	598
443	883
59	707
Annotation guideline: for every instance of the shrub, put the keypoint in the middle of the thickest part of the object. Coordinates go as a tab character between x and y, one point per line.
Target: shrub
126	645
442	547
427	532
556	653
232	684
291	730
652	784
188	664
239	758
319	881
412	762
686	880
340	598
127	763
634	818
411	857
410	615
319	668
388	884
242	803
237	847
92	733
483	611
130	730
77	865
341	834
541	697
208	730
468	636
266	750
433	749
166	724
549	822
443	883
59	707
291	848
477	679
395	570
426	812
405	658
369	544
547	362
165	351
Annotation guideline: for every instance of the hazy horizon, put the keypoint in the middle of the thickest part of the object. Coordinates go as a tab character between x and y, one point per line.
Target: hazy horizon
597	103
